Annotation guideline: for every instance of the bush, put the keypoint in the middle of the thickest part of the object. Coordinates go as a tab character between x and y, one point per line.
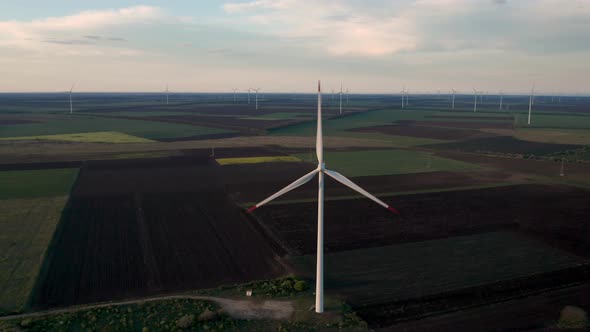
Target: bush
185	321
300	286
207	315
572	317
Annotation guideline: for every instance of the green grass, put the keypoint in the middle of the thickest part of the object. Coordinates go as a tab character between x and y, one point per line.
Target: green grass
412	270
256	160
280	116
80	123
553	121
386	162
95	137
27	228
36	183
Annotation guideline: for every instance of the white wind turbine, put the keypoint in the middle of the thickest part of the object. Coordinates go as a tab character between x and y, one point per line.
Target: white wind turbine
248	96
71	103
402	93
166	94
453	103
531	102
321	171
340	94
474	100
234	90
255	90
501	97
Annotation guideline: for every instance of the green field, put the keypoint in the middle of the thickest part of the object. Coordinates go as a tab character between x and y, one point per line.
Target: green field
27	228
281	116
540	120
95	137
80	124
386	162
411	270
256	160
36	183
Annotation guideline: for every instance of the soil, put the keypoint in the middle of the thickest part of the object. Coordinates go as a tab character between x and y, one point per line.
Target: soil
457	124
423	132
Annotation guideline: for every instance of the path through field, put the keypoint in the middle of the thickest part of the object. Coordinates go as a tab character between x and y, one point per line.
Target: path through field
238	309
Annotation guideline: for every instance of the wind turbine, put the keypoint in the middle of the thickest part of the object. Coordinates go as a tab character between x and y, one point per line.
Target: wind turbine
475	100
234	90
531	102
501	95
248	96
321	171
340	93
453	103
402	95
166	94
332	94
256	90
71	104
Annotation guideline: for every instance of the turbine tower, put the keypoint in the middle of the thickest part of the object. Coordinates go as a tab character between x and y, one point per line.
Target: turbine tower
255	90
531	102
340	93
453	103
321	171
234	90
501	95
474	100
248	96
166	94
71	104
402	95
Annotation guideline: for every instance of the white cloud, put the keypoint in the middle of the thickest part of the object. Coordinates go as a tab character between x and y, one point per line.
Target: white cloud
37	35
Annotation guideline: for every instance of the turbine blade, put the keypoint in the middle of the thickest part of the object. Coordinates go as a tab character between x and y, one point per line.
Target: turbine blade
295	184
319	141
345	181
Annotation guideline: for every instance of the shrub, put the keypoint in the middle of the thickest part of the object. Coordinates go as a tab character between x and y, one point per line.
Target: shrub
300	286
185	321
207	315
572	317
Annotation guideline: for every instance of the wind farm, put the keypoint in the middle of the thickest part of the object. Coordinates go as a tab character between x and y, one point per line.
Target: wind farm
259	166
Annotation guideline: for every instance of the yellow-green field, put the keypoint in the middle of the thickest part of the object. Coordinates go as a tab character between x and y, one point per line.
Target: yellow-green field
95	137
256	160
27	228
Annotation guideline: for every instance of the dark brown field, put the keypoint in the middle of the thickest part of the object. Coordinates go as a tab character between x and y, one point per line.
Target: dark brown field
470	117
353	224
135	228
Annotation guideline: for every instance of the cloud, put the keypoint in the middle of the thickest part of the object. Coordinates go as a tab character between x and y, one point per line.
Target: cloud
33	35
380	28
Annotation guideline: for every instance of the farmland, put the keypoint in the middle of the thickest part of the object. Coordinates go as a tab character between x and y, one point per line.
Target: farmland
97	137
162	211
387	162
27	228
36	183
148	209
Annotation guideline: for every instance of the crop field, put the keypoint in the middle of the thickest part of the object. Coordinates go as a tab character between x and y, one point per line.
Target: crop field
36	183
360	223
386	162
131	212
58	125
256	160
419	269
440	133
95	137
506	144
27	228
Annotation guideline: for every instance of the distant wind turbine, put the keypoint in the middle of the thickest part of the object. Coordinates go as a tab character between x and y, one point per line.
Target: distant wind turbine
501	97
321	171
166	94
346	96
71	103
248	95
340	93
474	100
531	102
235	90
453	103
256	90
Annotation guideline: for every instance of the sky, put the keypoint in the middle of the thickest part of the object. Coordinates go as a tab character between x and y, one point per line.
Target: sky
368	46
